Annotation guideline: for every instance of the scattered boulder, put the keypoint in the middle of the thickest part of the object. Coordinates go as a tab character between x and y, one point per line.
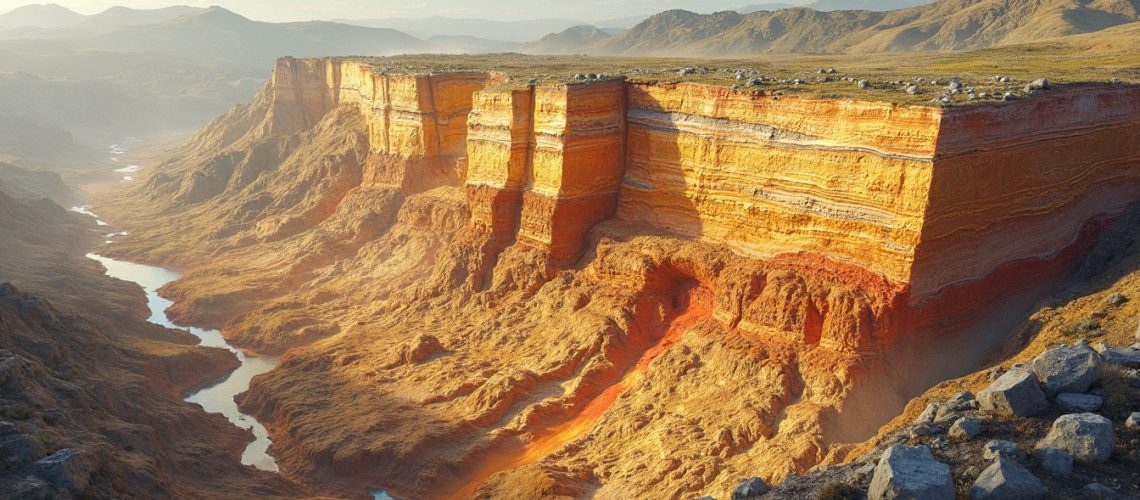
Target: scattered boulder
913	90
1121	356
749	489
1016	392
18	449
420	348
1067	368
965	428
996	448
1116	300
963	401
1133	421
1055	462
923	430
863	84
1038	84
1087	436
1007	480
911	472
1097	490
1071	402
65	469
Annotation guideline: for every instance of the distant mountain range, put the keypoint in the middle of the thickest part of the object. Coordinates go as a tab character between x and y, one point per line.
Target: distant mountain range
942	25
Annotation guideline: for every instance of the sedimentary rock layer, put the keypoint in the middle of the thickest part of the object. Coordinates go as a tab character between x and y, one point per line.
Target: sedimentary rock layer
688	281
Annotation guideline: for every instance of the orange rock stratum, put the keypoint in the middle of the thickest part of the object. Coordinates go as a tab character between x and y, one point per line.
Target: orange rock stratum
614	289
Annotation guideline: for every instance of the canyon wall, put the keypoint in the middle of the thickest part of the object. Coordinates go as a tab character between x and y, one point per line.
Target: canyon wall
926	198
611	288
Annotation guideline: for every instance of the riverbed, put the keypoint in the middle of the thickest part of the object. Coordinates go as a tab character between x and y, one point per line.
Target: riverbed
217	396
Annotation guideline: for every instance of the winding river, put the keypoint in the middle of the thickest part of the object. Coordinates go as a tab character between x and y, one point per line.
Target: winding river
218	396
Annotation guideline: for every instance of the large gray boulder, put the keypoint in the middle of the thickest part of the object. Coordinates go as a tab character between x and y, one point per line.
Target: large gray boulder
1016	392
906	472
65	469
1007	480
1087	436
1067	368
1071	402
749	489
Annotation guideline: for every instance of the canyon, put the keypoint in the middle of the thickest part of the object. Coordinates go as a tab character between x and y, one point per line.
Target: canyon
615	287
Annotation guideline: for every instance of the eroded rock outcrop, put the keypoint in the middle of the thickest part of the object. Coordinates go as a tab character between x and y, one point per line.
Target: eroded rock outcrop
610	287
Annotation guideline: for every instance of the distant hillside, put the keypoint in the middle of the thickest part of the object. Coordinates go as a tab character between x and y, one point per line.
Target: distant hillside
39	15
218	36
876	5
80	26
516	31
943	25
464	44
565	42
27	184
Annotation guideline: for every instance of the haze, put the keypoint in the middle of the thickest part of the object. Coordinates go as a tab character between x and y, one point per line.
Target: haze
512	10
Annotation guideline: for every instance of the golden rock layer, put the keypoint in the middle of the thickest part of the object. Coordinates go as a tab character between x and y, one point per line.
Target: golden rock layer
610	288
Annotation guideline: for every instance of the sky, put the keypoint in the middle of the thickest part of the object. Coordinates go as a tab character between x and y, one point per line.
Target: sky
306	10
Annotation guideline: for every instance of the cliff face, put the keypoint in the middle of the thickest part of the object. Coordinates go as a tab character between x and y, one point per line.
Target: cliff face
610	287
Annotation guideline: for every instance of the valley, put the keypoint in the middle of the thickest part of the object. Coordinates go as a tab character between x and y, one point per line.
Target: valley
770	252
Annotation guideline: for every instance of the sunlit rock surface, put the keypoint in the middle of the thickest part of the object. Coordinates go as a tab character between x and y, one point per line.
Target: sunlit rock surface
631	289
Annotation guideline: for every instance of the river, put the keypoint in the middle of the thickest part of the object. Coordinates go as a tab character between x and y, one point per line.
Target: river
217	396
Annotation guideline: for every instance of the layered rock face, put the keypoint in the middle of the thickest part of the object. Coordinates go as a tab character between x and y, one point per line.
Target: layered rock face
609	288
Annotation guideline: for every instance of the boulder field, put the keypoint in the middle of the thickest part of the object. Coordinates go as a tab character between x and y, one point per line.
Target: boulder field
614	287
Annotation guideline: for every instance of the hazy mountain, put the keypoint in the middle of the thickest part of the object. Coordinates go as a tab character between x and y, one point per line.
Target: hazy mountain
875	5
465	44
619	23
27	184
943	25
516	31
747	9
47	15
565	42
98	24
220	37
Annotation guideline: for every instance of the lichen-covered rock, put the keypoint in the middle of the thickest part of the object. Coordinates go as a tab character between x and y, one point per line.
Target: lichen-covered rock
1067	368
911	472
1087	436
1005	479
1016	392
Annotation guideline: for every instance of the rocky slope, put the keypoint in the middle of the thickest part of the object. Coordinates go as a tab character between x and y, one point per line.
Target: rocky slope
90	392
611	288
941	25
